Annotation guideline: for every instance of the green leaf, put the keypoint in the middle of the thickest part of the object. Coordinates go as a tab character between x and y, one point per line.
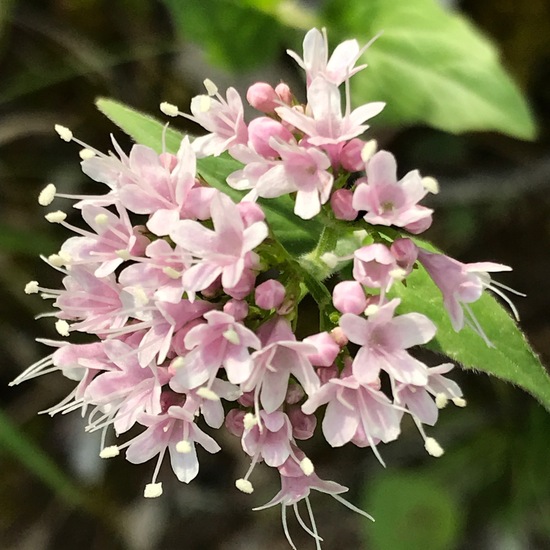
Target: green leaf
412	512
431	66
512	358
141	127
235	35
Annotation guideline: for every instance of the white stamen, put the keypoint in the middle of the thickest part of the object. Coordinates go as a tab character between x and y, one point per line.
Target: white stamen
433	447
66	257
62	327
56	260
371	309
177	363
109	452
459	401
232	337
183	446
169	109
123	254
211	88
441	400
64	133
47	195
330	259
249	421
171	272
244	485
208	394
368	150
86	154
398	274
204	103
101	219
56	217
31	287
430	184
307	466
153	490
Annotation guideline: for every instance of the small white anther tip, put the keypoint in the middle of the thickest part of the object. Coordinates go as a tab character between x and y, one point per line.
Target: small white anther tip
441	400
56	260
31	287
86	154
307	466
208	394
371	309
123	254
109	452
249	421
177	363
183	446
232	337
211	88
171	272
153	490
244	486
47	195
56	217
433	447
101	219
64	133
368	150
62	327
459	401
169	109
431	185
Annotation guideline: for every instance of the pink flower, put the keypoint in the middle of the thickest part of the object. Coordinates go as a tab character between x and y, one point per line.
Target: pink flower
355	412
220	342
391	202
338	68
281	357
323	123
373	266
221	251
462	284
270	294
223	118
383	339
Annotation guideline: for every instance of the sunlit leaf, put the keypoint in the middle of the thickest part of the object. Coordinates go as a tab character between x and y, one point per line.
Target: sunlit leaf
431	66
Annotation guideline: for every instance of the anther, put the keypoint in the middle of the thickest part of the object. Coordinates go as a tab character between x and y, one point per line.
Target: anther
459	401
211	88
47	195
398	274
307	466
171	272
371	309
177	363
86	154
64	133
153	490
31	287
109	452
56	217
368	150
101	219
208	394
204	103
169	109
249	421
56	260
123	254
433	447
441	400
232	337
430	184
183	446
244	485
62	327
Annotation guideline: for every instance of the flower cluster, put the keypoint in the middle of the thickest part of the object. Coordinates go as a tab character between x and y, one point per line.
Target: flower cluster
190	301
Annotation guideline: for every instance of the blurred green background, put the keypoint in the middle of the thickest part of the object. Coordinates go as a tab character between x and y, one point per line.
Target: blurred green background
453	112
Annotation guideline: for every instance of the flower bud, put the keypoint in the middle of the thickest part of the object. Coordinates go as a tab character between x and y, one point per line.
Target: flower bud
341	203
234	422
350	157
349	297
250	213
261	130
294	393
283	91
263	97
237	308
405	253
244	287
269	294
327	349
327	373
303	425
